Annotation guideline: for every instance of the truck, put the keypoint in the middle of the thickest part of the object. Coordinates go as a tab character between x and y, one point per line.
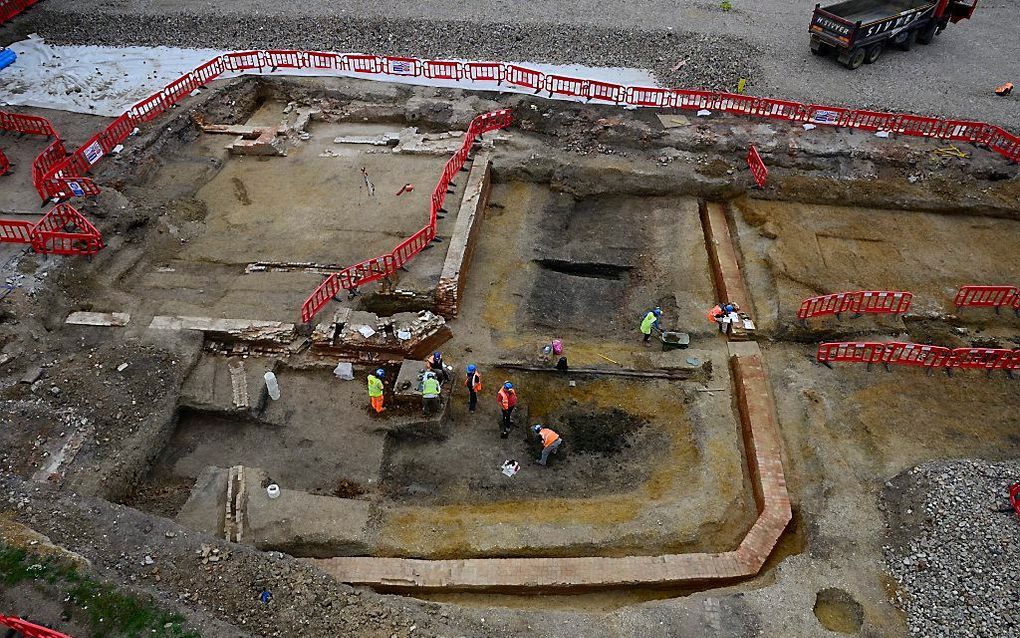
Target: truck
858	31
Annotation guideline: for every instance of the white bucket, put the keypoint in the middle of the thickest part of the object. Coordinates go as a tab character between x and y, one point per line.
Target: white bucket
273	491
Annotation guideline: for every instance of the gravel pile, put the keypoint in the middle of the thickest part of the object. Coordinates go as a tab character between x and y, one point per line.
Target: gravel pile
954	549
679	59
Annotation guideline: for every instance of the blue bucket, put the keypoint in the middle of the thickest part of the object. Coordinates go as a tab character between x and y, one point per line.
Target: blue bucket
7	58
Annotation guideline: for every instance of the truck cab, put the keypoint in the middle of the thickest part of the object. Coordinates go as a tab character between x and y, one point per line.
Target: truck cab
858	31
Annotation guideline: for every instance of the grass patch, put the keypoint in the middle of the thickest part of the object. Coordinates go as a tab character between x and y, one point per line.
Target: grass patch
108	611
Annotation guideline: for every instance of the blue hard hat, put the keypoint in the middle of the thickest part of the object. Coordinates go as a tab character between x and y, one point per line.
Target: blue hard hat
508	386
380	373
536	428
657	311
437	354
728	308
471	368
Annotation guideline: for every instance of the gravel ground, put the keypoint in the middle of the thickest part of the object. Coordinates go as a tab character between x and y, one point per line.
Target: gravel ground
953	550
696	45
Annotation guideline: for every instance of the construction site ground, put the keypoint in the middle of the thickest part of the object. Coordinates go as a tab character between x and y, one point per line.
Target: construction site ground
595	215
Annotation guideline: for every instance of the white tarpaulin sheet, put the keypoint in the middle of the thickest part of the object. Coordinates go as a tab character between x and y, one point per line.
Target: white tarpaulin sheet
108	80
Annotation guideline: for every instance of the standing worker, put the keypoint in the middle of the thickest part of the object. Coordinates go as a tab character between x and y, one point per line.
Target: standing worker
430	394
507	397
375	390
650	321
473	382
550	442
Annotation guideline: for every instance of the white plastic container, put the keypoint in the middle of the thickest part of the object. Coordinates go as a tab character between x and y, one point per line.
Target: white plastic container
273	490
272	385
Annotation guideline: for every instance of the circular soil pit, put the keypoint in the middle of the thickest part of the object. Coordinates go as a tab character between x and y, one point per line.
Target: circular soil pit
838	611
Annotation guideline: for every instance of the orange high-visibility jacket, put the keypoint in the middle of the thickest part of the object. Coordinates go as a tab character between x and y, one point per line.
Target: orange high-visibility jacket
548	437
477	378
507	400
715	312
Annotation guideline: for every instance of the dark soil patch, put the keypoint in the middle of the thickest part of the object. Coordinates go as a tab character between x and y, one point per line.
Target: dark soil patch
600	433
348	489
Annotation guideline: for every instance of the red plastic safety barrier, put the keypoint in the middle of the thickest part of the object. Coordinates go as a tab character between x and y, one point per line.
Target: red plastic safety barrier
30	630
286	59
882	301
916	354
1014	497
364	64
486	71
562	85
442	69
27	124
921	355
986	296
5	164
61	231
606	91
11	8
380	267
834	304
757	166
980	359
851	352
522	76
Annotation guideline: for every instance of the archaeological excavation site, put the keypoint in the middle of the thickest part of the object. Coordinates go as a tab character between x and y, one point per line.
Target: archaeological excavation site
284	355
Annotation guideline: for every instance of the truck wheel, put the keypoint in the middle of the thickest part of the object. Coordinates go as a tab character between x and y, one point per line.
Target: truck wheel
905	41
927	33
856	59
874	53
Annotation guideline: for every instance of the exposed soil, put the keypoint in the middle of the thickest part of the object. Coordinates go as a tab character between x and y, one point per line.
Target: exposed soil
593	220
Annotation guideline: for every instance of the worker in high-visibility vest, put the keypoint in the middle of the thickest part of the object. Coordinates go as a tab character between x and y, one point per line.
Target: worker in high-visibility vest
507	398
375	390
651	320
473	383
430	394
550	442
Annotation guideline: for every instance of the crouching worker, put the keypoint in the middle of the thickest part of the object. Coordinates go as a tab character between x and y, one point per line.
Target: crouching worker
720	314
431	391
550	442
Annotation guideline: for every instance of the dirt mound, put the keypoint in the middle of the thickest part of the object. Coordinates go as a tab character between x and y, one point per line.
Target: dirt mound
602	433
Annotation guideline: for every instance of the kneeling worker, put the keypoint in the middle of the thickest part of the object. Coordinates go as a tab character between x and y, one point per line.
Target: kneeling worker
550	442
